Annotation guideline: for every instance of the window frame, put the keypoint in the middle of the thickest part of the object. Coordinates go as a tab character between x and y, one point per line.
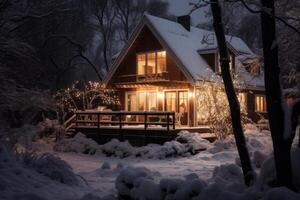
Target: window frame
146	61
217	66
264	103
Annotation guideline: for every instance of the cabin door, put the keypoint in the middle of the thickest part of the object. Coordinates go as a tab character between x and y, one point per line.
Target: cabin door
178	101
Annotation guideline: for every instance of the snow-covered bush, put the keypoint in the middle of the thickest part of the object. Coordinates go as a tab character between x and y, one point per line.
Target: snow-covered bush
49	127
77	144
194	141
184	145
125	182
50	166
118	149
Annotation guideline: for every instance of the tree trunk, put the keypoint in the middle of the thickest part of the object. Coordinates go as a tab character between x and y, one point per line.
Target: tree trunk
230	92
295	119
281	145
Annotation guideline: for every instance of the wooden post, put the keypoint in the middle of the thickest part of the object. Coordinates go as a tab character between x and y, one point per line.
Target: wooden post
120	120
76	121
98	116
173	115
145	120
168	122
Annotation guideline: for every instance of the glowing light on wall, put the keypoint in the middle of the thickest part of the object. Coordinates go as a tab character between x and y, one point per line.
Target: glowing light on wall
160	95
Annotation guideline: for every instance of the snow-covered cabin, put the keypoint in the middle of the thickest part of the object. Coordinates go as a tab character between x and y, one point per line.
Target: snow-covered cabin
165	65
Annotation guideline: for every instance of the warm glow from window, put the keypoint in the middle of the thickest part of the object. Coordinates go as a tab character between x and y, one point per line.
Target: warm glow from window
141	63
242	97
151	62
147	101
161	61
260	103
218	66
170	101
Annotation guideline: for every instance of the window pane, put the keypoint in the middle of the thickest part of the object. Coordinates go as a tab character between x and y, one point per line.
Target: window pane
161	61
131	102
183	107
170	101
141	63
152	101
151	63
142	101
260	103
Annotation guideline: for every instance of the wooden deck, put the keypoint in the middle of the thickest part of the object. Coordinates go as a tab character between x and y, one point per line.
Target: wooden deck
156	127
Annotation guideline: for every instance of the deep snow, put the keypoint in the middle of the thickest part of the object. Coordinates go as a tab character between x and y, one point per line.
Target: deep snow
169	170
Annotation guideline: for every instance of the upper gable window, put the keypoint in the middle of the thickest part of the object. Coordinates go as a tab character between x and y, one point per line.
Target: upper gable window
151	62
218	66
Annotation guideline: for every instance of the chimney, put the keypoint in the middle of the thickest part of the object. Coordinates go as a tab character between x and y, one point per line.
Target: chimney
185	21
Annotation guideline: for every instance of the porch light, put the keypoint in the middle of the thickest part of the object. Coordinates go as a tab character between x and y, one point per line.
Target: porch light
191	94
160	95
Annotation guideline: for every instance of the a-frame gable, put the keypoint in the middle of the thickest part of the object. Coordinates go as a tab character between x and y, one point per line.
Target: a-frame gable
145	24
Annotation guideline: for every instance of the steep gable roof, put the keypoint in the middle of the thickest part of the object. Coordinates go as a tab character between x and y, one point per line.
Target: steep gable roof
183	46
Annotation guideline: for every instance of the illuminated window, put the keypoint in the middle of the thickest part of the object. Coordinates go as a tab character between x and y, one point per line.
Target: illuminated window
141	63
161	61
242	97
152	101
260	103
147	101
218	66
170	98
151	62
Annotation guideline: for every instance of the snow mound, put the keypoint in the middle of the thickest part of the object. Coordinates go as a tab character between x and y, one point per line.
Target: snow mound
50	166
125	182
228	173
36	177
194	141
78	144
145	188
118	149
185	144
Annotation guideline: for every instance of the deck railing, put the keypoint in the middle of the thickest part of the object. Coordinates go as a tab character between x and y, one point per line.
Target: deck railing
119	119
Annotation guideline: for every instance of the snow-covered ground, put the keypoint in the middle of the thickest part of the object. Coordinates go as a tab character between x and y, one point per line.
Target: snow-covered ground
118	167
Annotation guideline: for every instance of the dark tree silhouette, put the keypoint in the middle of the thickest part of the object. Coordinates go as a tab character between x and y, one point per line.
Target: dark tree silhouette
281	144
230	92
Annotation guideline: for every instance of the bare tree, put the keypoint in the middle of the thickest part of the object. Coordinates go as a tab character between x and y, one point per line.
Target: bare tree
105	14
230	92
282	142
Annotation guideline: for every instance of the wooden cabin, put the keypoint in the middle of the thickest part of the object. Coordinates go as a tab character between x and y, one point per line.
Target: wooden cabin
166	64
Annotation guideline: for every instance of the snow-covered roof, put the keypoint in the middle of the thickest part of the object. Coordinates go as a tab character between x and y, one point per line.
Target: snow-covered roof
184	46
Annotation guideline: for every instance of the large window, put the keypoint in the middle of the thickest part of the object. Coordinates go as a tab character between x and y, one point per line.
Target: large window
177	101
260	103
151	62
147	101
